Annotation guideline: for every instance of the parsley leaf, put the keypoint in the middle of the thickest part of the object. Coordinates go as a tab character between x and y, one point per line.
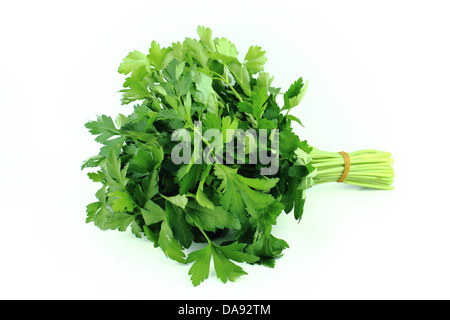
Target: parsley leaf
210	219
222	256
238	195
255	59
169	245
295	94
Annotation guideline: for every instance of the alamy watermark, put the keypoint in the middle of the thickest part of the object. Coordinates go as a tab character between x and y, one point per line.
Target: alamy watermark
230	146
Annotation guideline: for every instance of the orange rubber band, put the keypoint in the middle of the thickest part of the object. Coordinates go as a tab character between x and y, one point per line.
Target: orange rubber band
346	166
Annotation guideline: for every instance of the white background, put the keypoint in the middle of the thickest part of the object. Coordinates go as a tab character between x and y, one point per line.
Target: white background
378	76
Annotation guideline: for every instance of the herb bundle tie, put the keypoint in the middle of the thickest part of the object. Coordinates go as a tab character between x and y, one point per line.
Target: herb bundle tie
346	166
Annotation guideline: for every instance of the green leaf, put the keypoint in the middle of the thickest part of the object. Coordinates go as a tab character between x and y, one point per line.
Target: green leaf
135	89
264	80
258	105
293	118
98	212
288	143
157	55
114	173
98	176
299	198
211	121
175	217
178	200
122	201
178	52
152	234
169	245
205	35
104	127
173	71
147	138
199	271
266	124
152	213
204	92
225	269
197	51
150	185
232	198
259	184
136	229
143	113
237	194
211	219
120	221
259	97
228	124
112	145
180	82
245	106
255	59
188	176
92	209
293	195
92	162
203	200
134	60
101	195
267	246
147	160
225	50
142	161
265	218
295	94
103	217
241	75
235	251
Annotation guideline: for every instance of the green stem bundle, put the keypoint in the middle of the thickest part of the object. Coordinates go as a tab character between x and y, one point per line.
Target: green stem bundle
368	168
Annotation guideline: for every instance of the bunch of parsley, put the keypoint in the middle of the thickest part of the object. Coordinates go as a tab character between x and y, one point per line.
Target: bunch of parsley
228	209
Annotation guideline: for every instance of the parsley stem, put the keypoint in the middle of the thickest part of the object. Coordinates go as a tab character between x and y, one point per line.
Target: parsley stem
368	168
220	77
204	234
235	92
